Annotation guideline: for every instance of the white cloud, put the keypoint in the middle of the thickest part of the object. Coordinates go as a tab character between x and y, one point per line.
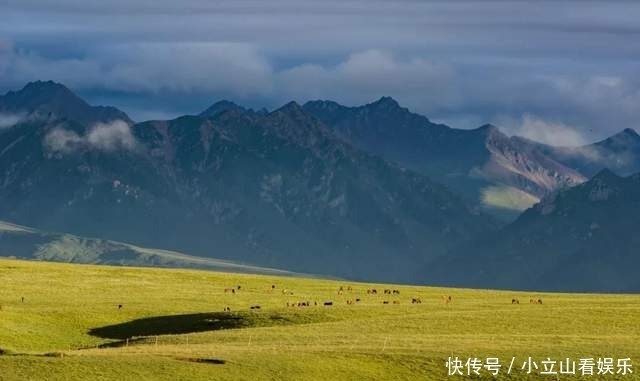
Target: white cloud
367	75
60	140
556	134
111	136
107	137
9	120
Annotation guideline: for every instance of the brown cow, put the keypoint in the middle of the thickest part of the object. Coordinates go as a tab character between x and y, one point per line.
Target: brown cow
416	301
328	303
515	301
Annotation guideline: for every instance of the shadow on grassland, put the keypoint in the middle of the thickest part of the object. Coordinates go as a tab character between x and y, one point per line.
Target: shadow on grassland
173	325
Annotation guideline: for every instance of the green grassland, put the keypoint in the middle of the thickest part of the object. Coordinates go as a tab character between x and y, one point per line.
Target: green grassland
172	326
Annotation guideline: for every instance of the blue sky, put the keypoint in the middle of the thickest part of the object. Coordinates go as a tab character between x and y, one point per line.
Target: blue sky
557	71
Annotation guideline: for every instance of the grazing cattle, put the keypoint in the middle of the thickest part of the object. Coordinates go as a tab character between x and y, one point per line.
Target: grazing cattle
340	289
535	301
396	302
396	292
387	292
385	302
447	299
348	288
515	301
239	287
339	292
119	306
372	291
350	302
256	307
357	300
328	303
416	301
227	309
231	290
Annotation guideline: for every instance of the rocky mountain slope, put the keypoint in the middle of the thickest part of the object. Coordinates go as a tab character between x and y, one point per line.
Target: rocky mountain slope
504	175
581	239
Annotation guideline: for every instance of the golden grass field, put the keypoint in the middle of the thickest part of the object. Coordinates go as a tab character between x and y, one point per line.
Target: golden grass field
69	327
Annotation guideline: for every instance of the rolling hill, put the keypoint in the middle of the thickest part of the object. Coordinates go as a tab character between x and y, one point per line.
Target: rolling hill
26	243
62	322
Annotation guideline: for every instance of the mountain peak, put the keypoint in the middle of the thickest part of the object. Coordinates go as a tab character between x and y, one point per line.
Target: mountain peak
629	132
291	107
52	100
221	106
386	102
488	127
45	86
606	174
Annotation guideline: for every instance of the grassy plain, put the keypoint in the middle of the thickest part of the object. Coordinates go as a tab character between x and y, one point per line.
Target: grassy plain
172	326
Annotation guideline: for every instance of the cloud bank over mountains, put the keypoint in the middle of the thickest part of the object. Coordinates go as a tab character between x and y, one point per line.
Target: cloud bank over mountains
560	68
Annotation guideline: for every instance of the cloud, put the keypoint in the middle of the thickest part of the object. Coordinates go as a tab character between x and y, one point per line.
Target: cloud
60	140
106	137
236	69
460	62
556	134
367	75
111	136
9	120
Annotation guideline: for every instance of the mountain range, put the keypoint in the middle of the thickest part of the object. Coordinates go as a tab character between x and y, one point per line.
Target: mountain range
372	192
503	175
274	189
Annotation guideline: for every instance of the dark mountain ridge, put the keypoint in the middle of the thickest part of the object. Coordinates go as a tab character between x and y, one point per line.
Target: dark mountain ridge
580	239
53	101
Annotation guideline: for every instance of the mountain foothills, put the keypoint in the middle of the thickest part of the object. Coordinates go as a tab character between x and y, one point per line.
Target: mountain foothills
273	189
27	243
584	239
320	188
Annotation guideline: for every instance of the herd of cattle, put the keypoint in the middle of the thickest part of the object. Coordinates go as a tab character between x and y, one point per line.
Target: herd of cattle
446	299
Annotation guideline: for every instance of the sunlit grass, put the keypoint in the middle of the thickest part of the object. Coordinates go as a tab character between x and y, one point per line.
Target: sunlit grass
65	304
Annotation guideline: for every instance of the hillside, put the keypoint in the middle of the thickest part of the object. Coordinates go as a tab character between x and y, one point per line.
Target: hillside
174	327
505	175
276	190
27	243
581	239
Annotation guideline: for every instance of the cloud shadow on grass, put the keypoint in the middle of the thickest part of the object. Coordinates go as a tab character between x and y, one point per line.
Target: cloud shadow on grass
172	325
